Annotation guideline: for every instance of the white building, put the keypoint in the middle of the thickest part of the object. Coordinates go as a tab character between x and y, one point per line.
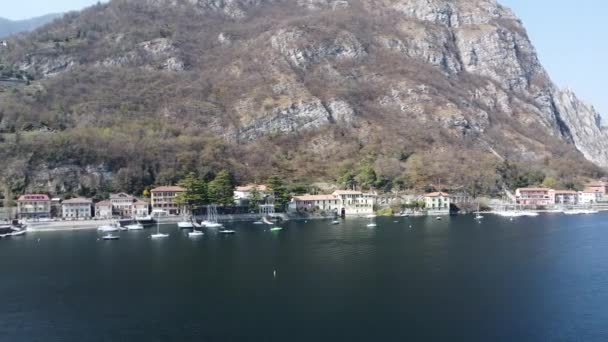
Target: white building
437	203
122	204
104	210
355	202
342	202
242	194
77	208
564	197
585	197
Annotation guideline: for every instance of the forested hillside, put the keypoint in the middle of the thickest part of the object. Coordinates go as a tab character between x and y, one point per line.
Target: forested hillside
388	94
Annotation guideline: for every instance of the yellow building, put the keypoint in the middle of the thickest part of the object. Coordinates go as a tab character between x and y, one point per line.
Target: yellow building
163	198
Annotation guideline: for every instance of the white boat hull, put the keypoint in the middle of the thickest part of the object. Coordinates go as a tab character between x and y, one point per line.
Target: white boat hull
159	236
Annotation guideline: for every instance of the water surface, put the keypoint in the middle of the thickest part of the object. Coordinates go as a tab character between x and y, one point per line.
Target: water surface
532	279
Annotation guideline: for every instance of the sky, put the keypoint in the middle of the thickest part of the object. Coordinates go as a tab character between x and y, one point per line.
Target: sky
570	37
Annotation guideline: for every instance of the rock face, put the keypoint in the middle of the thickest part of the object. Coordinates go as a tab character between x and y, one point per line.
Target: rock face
463	70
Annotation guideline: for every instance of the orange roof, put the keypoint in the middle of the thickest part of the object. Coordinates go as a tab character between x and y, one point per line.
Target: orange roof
34	197
533	189
169	189
103	203
250	187
437	194
347	192
311	198
79	200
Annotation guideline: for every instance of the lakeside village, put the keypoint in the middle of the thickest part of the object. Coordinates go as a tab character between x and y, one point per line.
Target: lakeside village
262	203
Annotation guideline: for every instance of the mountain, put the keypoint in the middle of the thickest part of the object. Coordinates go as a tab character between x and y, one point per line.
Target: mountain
385	93
8	27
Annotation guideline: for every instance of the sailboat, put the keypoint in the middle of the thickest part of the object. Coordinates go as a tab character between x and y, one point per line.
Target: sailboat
195	233
158	235
477	214
211	221
185	224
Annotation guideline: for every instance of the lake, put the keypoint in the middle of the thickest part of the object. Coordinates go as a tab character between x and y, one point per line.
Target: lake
532	279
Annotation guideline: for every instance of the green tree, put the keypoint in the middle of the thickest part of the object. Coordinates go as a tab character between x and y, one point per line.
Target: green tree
255	198
280	192
195	194
550	182
367	176
221	189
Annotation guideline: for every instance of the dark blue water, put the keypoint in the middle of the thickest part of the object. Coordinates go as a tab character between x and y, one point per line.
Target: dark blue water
533	279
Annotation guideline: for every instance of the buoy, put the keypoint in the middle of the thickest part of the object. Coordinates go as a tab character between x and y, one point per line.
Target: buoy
274	274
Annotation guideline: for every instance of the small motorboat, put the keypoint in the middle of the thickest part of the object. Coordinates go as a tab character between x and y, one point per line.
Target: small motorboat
110	237
108	228
371	216
258	222
195	233
227	231
335	222
372	225
19	232
185	225
439	219
276	229
136	226
213	225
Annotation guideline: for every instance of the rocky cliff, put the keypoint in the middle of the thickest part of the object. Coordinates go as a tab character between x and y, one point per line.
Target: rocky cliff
386	78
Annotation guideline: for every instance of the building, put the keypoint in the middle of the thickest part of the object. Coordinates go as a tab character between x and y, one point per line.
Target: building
585	197
34	206
122	204
437	203
534	196
77	208
342	202
141	208
318	202
461	198
242	194
163	198
597	187
564	197
104	210
355	202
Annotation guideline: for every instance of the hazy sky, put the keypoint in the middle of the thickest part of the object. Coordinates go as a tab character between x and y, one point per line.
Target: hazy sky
570	37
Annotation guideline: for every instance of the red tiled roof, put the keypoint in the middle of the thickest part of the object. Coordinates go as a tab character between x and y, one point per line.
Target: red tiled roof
169	189
79	200
250	187
33	197
437	194
533	189
103	203
310	198
347	192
